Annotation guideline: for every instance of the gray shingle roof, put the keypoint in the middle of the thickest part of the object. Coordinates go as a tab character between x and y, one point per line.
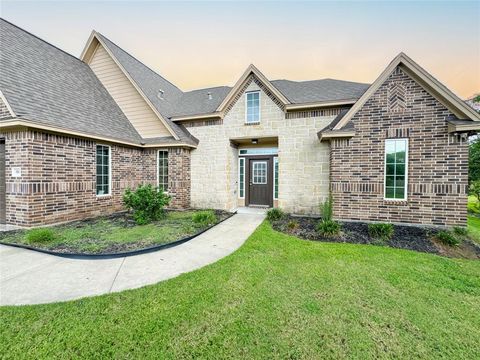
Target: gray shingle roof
299	92
45	84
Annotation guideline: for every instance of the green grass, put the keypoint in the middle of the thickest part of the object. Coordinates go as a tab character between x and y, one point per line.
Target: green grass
112	234
473	224
473	204
277	297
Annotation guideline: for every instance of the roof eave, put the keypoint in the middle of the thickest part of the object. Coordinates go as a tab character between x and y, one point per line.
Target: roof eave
26	123
339	134
459	126
215	114
320	104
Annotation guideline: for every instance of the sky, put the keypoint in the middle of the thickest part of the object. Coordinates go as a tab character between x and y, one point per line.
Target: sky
206	44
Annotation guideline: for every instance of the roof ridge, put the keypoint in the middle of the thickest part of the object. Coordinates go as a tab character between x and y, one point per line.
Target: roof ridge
208	88
39	38
141	62
304	81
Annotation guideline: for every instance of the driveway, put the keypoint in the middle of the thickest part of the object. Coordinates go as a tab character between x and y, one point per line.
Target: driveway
29	277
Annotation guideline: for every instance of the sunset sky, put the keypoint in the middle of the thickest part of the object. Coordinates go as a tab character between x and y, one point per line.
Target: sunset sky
203	44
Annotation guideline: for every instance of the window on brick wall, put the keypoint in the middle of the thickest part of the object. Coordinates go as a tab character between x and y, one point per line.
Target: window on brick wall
163	170
103	170
252	106
396	169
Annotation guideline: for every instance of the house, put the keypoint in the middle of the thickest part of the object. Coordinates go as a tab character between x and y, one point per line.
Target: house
76	132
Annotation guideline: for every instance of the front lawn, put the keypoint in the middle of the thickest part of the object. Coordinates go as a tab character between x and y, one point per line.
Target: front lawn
277	297
112	234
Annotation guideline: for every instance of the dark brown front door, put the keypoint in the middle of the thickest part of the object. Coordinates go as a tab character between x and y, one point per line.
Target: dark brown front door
260	185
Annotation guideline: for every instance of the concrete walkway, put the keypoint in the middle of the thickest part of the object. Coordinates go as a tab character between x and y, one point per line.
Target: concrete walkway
29	277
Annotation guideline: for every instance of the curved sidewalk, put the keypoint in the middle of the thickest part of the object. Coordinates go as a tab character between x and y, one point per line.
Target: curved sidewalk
30	277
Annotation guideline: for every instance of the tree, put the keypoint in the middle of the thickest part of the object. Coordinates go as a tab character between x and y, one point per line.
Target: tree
474	161
475	189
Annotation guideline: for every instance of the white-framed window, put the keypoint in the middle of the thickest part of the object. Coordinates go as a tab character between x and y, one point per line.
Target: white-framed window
241	178
259	172
275	178
162	174
396	169
258	151
104	170
252	107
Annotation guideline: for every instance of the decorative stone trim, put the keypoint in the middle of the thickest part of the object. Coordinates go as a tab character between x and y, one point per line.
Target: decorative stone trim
313	113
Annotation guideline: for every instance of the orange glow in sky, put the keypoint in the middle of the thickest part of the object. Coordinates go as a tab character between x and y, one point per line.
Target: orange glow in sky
204	44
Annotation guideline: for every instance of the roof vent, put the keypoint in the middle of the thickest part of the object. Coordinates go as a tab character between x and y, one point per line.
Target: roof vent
160	94
209	95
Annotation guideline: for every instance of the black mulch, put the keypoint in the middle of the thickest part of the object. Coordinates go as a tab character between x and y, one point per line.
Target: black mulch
404	237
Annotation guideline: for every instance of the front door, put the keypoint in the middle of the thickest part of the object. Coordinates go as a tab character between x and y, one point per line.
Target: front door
260	186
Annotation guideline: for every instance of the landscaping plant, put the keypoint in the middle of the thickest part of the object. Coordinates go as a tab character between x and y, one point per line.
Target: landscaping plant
327	226
205	218
460	231
293	225
381	231
41	235
146	202
447	238
275	214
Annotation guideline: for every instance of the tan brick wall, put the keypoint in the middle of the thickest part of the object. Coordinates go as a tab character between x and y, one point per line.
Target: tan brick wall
58	177
437	168
303	160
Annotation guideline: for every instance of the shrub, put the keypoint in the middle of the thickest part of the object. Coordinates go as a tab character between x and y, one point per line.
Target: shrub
326	209
329	227
460	231
42	235
205	217
293	225
475	189
275	214
447	238
382	231
146	202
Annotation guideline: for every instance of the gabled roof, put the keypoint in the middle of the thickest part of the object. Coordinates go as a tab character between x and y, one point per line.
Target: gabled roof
461	110
48	86
251	70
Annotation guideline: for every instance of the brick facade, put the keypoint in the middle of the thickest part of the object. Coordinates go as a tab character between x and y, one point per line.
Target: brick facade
57	181
437	167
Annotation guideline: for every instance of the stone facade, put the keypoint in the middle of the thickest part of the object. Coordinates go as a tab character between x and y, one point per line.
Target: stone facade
437	166
57	181
303	160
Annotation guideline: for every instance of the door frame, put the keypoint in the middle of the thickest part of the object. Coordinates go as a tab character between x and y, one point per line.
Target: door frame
270	179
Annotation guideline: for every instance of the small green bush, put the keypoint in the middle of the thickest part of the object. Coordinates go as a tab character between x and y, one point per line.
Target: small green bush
205	217
447	238
460	231
293	225
329	227
42	235
381	231
326	209
146	202
275	214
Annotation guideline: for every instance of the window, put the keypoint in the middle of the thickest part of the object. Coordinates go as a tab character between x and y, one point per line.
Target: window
252	107
103	170
396	169
259	151
241	178
275	178
259	173
163	170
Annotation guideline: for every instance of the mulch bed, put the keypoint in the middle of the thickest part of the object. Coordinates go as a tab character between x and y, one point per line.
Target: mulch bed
415	238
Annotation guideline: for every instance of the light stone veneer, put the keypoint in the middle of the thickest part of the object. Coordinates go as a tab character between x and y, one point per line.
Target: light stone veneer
303	160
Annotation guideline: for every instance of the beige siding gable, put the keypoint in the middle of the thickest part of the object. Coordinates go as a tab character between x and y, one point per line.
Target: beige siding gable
135	108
